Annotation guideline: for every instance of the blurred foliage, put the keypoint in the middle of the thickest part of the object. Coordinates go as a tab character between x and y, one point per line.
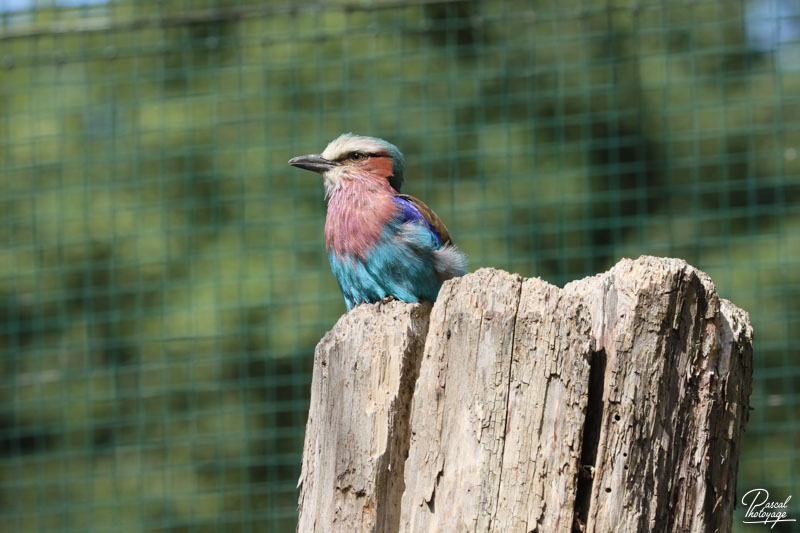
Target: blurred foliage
163	275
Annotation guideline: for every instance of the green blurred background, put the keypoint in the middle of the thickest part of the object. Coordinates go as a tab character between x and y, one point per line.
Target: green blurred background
162	274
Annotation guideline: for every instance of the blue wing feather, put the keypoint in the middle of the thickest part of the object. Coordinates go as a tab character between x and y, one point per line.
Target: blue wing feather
410	213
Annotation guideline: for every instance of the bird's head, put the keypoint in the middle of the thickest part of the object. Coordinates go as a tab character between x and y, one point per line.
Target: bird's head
352	156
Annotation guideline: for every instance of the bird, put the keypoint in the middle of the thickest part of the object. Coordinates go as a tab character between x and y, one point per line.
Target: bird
380	243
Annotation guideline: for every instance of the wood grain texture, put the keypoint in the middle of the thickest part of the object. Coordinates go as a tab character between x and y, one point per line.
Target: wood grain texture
460	405
357	432
675	397
614	404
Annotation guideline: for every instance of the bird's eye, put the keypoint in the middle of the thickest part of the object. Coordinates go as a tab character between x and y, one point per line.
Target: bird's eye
357	156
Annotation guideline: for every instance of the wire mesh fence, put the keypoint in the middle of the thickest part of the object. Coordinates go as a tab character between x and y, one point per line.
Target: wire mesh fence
163	279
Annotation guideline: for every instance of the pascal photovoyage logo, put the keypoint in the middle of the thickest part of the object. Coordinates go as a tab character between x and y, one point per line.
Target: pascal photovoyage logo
759	509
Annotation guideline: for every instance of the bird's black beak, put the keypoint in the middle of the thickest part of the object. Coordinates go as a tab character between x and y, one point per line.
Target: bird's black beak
313	162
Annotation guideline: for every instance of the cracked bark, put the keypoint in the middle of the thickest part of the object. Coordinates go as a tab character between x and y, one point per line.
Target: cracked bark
357	432
614	404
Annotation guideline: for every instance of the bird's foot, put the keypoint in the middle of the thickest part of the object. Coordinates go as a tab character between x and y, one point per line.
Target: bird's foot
387	299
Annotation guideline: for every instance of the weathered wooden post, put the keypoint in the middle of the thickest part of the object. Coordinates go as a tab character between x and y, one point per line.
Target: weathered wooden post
614	404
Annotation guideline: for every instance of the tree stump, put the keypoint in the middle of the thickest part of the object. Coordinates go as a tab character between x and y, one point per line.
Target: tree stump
614	404
357	432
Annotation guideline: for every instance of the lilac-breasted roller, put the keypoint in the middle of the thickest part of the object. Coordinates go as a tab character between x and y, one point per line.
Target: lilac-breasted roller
380	243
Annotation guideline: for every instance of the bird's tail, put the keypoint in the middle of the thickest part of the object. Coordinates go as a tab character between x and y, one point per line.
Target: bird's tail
449	262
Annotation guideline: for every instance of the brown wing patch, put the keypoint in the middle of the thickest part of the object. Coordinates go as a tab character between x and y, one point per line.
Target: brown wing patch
432	218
